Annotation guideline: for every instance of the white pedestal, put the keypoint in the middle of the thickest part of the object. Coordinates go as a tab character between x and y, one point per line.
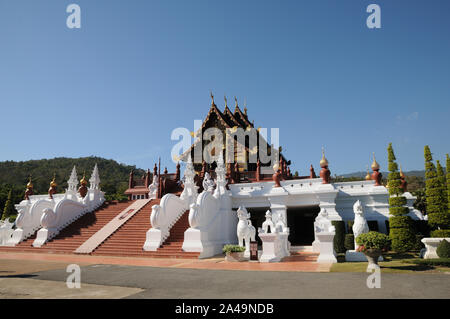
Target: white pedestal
356	256
274	247
431	245
327	254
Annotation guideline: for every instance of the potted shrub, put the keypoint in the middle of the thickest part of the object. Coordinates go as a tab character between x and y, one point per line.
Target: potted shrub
373	244
233	252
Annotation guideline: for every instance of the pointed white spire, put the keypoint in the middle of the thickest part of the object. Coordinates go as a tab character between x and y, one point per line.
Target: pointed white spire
73	180
221	181
95	178
189	172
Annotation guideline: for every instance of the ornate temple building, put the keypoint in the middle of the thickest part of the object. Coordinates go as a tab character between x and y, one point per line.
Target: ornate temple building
192	214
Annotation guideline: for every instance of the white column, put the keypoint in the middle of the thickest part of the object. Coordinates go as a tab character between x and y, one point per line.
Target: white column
326	195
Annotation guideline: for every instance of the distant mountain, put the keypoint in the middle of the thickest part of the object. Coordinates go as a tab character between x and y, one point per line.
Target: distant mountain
385	174
113	175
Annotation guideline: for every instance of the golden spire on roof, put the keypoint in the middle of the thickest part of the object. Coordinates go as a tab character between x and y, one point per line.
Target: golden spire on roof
368	177
402	175
53	183
30	184
323	161
375	165
83	180
226	102
235	102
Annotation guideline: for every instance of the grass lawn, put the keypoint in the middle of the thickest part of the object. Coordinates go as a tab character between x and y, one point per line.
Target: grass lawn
393	263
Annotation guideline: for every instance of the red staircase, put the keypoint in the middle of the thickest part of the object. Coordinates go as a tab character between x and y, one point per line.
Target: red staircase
71	237
129	239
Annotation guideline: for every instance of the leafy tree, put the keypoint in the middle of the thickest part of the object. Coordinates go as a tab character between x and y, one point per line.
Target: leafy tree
14	175
447	167
401	228
443	183
438	216
9	208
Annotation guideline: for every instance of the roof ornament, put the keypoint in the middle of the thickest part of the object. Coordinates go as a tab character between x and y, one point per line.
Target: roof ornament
323	161
245	106
368	177
225	99
73	180
375	166
236	103
95	178
212	99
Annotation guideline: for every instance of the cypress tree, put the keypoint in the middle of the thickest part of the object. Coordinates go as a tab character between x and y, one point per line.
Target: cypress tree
447	167
9	209
401	226
438	216
443	185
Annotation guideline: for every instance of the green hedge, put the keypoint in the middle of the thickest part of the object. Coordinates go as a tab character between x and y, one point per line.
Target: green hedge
443	249
430	262
349	242
339	237
440	233
400	222
232	249
397	201
398	211
441	219
403	239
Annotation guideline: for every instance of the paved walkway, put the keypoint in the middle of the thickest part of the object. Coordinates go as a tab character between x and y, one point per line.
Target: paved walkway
302	262
153	282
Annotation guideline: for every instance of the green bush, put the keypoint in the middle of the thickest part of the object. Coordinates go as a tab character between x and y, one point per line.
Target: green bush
232	249
339	237
349	227
440	233
430	262
373	240
436	197
397	201
349	242
403	239
401	227
441	219
443	249
401	222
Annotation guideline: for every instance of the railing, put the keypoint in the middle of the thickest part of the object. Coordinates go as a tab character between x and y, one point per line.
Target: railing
162	218
66	211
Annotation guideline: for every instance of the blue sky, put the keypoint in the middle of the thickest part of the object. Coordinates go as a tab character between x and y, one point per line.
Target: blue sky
136	70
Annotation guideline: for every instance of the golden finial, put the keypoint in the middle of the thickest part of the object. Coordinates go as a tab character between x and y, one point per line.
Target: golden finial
323	161
235	102
226	102
368	177
53	183
245	110
83	180
402	175
30	184
375	166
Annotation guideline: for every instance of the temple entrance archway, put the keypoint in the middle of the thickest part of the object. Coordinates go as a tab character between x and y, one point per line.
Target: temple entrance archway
300	221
